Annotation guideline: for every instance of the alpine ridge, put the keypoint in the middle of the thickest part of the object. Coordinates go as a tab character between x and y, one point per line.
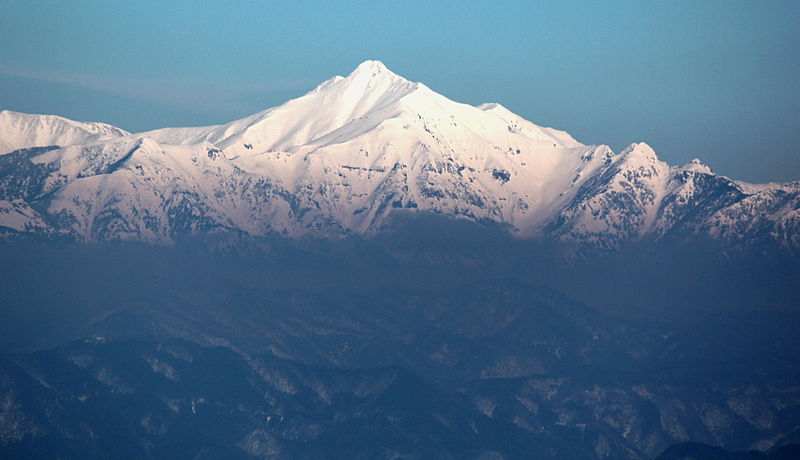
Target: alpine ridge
353	154
20	130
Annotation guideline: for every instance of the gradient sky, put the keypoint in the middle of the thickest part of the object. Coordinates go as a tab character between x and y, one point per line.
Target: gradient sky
718	80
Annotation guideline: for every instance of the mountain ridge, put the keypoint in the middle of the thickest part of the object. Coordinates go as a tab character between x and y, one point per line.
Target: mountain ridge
356	150
20	130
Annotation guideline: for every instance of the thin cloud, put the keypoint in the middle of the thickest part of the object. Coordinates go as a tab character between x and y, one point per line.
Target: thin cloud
195	95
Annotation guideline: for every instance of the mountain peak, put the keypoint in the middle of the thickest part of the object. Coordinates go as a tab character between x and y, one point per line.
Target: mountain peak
371	66
372	72
697	166
639	149
365	75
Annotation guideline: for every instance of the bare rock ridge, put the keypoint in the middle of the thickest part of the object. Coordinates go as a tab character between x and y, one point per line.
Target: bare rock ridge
355	151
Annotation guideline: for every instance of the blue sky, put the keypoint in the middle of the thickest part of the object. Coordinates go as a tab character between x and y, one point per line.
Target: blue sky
717	80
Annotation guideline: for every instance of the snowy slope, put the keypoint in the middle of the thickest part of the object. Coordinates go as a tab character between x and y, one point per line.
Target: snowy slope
16	215
22	130
373	139
357	151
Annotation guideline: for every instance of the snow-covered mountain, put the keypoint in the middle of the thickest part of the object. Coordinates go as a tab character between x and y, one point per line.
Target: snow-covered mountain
21	130
352	154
